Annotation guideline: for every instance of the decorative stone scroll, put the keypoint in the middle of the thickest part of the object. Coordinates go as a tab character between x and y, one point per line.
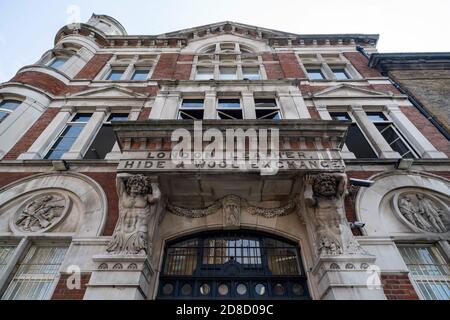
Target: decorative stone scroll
41	213
422	212
324	197
138	202
232	206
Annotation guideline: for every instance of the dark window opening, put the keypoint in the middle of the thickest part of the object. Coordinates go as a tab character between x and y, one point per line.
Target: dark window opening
191	109
105	139
267	109
229	109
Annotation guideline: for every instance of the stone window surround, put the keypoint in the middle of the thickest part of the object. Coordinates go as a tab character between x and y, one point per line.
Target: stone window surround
291	104
18	121
407	130
128	66
76	59
239	64
22	245
325	65
46	140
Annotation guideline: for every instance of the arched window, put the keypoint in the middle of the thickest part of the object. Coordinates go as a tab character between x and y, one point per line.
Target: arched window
7	107
238	265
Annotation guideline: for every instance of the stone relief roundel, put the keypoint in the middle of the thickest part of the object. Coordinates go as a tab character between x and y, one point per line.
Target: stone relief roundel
40	213
422	212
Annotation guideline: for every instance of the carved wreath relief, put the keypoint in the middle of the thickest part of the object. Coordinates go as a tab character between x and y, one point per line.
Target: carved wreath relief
138	199
424	212
41	213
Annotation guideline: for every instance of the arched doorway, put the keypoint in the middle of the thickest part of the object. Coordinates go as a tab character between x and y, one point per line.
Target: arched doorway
232	265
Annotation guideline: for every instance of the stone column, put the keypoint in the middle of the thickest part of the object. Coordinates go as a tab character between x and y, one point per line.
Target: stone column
325	115
341	265
171	106
87	135
383	149
158	106
124	272
412	134
248	101
210	105
47	137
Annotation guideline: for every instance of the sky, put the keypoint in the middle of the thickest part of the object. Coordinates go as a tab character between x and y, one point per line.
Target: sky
28	27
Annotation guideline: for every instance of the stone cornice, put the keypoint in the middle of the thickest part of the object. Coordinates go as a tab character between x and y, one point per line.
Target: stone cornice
409	61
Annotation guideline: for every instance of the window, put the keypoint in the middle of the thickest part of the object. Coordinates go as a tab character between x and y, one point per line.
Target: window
267	109
36	274
140	75
390	133
115	75
428	271
105	139
204	73
229	109
356	141
6	252
340	74
57	62
241	265
228	73
6	107
68	136
251	73
315	74
192	109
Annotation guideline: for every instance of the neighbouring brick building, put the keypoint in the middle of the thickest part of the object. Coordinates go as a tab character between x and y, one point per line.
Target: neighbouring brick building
351	203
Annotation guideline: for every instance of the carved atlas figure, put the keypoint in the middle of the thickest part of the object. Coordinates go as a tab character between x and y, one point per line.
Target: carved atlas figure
138	199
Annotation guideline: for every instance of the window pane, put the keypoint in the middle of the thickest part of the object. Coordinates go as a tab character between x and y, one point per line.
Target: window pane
82	117
266	103
6	253
340	74
140	75
204	74
341	116
251	73
229	103
115	75
428	271
192	104
228	74
358	144
57	63
9	104
102	144
376	116
315	74
36	274
3	115
118	117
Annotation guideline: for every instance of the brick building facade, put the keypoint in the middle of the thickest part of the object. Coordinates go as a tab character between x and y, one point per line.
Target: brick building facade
352	202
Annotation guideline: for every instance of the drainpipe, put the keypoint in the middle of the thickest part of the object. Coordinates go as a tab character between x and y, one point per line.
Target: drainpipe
416	103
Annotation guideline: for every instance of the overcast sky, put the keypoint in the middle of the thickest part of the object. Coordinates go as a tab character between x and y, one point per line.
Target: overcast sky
28	27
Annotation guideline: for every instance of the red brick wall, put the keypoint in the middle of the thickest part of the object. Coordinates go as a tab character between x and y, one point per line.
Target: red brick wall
183	71
32	134
94	66
398	287
145	113
107	180
427	129
46	82
290	66
166	66
9	177
360	62
273	69
314	114
63	293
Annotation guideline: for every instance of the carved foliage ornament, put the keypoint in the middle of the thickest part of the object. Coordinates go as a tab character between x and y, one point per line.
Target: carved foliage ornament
232	205
422	212
41	213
